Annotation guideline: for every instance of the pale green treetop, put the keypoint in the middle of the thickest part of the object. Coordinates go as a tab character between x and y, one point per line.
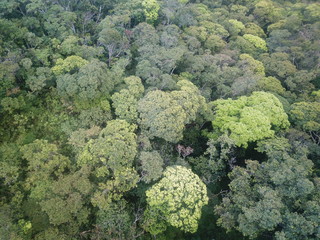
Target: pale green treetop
249	119
179	197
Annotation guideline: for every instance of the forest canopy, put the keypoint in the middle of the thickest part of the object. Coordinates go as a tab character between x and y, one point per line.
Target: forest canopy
159	119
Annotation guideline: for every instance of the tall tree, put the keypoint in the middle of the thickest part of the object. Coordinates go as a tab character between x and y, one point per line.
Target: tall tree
273	197
177	199
249	119
111	156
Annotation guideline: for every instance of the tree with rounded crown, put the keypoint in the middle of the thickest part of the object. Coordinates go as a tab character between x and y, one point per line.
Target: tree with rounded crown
249	119
151	9
161	116
111	157
126	100
164	114
277	198
176	200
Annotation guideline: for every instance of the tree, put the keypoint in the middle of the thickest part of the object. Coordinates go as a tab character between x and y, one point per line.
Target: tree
267	12
212	165
145	34
79	138
161	116
244	46
9	163
270	84
126	100
272	197
312	12
8	229
235	27
116	222
191	100
65	199
258	42
164	114
90	81
254	29
170	36
252	71
151	166
40	79
111	155
300	82
113	37
157	63
73	45
215	43
8	70
249	119
68	65
151	8
60	195
44	163
278	65
305	115
92	113
248	63
178	197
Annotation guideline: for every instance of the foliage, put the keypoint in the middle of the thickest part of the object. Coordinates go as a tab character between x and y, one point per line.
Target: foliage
249	119
271	196
92	80
151	166
164	114
161	116
178	197
151	8
111	155
68	65
105	102
256	41
126	100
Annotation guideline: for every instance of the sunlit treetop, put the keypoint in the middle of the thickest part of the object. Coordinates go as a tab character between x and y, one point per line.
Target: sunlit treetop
248	119
178	197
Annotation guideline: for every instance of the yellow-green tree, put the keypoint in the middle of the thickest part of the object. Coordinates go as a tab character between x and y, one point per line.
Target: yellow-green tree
125	101
249	119
178	198
71	63
151	9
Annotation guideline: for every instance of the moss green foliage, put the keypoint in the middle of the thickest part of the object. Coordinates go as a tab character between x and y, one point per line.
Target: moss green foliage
164	114
265	196
126	100
159	119
111	156
253	65
178	197
161	116
151	166
306	115
271	84
235	26
92	80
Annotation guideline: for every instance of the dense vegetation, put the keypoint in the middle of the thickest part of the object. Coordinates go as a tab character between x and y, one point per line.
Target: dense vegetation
159	119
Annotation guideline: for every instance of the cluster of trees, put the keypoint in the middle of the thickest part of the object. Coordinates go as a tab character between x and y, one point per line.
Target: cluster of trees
159	119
